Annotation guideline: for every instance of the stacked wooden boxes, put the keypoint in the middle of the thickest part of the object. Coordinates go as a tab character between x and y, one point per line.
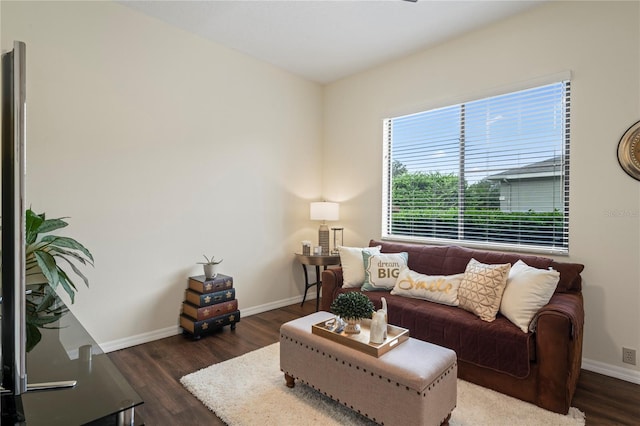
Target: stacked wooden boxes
209	305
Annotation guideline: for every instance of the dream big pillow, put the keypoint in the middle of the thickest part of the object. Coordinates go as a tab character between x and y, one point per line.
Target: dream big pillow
381	270
436	288
353	265
528	289
481	288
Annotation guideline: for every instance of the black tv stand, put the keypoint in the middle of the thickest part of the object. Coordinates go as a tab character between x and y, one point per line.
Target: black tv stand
71	382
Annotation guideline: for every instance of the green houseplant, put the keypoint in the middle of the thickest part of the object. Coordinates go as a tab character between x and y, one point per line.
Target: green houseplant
352	307
43	253
210	266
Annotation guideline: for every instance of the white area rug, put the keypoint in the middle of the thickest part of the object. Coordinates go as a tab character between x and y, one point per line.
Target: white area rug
250	390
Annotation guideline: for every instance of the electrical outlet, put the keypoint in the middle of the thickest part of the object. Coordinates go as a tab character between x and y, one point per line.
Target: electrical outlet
629	356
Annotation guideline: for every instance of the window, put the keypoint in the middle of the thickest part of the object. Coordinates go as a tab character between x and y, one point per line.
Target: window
493	172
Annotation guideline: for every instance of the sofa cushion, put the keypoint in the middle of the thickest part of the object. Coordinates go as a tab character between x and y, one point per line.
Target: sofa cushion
381	270
353	265
528	289
481	288
498	345
436	288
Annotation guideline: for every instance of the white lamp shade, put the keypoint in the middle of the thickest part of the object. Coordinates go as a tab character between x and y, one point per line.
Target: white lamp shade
324	211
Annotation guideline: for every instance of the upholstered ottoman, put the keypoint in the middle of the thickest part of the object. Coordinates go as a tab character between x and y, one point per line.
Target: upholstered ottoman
412	384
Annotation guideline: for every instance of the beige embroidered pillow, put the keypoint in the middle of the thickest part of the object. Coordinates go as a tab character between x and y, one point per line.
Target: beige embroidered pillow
353	265
436	288
481	288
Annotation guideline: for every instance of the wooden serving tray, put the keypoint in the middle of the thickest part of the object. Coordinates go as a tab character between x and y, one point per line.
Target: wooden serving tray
360	341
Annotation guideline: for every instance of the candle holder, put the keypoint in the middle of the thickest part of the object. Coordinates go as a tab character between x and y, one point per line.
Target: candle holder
337	239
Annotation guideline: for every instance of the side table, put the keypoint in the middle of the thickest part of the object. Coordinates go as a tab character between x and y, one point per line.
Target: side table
317	261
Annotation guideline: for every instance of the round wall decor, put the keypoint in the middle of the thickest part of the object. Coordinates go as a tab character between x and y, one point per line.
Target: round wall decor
629	151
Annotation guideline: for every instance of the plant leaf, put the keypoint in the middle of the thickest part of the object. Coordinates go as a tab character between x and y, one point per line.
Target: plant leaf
47	300
40	320
57	251
33	336
67	242
51	225
32	224
49	268
75	269
68	285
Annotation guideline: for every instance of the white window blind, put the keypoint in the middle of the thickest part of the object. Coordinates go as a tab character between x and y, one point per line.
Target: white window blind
491	172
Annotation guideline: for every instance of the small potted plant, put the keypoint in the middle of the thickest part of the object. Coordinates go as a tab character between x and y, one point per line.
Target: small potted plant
210	266
352	307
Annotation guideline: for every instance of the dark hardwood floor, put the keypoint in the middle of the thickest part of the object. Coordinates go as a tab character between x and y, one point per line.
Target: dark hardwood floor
154	370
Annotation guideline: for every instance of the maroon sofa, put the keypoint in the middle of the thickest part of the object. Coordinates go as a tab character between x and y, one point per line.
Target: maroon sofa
541	367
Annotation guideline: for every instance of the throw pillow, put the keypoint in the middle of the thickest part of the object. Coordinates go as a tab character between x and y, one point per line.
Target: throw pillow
436	288
353	265
381	270
481	288
528	289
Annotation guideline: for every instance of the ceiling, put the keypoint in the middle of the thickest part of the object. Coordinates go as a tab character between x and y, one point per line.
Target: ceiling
324	41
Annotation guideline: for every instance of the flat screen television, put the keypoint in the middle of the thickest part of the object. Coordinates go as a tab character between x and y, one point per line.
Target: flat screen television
14	375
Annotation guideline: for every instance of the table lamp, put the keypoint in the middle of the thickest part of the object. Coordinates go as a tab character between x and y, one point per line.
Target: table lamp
324	211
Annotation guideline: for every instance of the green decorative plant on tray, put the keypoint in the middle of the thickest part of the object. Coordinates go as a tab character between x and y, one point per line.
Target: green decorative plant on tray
352	305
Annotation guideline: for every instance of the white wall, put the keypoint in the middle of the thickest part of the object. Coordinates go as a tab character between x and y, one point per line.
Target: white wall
599	42
161	147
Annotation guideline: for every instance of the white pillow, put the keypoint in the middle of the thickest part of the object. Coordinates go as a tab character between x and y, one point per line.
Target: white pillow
353	265
382	270
528	289
436	288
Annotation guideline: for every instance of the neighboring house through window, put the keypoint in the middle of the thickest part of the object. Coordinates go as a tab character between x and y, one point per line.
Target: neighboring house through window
534	187
489	172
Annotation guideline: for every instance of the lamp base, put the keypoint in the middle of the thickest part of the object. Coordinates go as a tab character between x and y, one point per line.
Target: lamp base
323	239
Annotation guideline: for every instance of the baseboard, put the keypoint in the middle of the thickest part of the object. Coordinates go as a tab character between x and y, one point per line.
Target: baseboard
625	374
247	312
139	339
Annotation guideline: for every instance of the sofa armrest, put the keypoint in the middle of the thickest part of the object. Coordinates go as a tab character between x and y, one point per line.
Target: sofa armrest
331	283
558	327
568	305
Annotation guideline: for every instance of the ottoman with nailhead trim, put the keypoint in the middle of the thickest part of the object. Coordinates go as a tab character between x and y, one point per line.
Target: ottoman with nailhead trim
412	384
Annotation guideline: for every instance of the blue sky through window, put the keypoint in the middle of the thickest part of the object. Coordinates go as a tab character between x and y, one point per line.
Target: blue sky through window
500	133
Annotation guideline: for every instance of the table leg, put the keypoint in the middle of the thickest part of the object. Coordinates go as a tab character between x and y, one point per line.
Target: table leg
318	287
306	283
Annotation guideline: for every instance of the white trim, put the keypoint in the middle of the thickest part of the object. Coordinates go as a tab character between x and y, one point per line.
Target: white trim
139	339
621	373
274	305
162	333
